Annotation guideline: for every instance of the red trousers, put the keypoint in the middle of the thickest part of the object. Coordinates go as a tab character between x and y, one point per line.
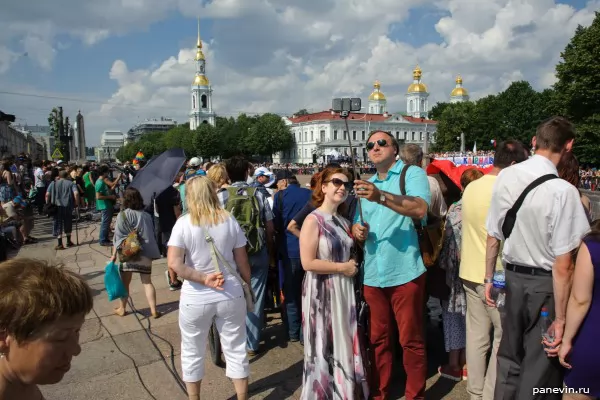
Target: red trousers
402	305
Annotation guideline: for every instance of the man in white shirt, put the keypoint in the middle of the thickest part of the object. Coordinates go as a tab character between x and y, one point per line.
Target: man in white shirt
537	254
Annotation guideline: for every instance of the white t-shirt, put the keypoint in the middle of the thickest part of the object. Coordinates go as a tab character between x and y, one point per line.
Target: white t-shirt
227	236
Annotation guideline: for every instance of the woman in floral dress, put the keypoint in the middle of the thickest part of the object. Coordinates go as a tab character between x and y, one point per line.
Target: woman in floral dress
333	365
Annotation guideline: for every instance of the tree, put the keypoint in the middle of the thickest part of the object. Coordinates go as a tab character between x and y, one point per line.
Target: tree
301	112
578	89
207	143
437	110
456	119
269	135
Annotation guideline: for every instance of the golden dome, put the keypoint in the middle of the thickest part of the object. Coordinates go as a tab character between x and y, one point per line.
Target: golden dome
459	80
377	95
199	55
459	91
200	80
417	88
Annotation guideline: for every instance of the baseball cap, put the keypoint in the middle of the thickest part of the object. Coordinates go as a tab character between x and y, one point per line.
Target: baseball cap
284	174
262	171
190	173
194	162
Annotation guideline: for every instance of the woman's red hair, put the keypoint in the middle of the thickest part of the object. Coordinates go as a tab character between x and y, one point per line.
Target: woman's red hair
324	176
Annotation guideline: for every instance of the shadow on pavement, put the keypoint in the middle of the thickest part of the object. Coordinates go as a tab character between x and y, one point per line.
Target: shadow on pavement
284	382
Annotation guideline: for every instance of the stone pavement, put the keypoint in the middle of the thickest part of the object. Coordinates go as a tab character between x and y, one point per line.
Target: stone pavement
136	358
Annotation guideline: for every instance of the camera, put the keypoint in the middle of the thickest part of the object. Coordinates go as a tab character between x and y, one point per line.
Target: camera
346	105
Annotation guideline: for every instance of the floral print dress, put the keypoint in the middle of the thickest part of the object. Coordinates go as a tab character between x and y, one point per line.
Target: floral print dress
333	365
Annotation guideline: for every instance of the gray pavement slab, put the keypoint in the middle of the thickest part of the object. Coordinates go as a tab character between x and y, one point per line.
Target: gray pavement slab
119	353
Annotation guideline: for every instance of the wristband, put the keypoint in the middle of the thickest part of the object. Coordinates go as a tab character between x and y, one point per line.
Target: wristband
488	280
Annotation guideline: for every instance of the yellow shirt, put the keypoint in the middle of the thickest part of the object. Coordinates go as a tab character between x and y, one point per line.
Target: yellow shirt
476	201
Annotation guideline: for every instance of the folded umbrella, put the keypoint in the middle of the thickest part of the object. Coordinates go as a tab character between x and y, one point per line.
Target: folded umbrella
158	174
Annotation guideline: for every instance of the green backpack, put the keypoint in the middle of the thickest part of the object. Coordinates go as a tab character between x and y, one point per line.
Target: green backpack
246	210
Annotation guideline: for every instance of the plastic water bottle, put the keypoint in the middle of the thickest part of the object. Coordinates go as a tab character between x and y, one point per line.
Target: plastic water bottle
498	289
545	326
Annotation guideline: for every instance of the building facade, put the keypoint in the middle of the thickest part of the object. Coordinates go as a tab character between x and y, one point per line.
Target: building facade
110	143
152	125
201	92
15	141
322	136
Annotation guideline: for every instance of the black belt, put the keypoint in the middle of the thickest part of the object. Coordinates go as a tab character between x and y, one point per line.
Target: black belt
521	269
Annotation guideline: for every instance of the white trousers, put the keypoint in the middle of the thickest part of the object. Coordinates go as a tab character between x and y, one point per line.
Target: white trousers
195	321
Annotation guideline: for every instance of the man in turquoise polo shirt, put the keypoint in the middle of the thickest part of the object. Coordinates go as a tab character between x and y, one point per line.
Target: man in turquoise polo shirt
394	274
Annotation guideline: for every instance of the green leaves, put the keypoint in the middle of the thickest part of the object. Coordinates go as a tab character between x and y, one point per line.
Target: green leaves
248	135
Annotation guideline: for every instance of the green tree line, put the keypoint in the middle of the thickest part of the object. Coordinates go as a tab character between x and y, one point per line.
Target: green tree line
516	112
251	136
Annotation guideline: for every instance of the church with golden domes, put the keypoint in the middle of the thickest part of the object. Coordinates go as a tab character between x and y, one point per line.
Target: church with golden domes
322	136
201	91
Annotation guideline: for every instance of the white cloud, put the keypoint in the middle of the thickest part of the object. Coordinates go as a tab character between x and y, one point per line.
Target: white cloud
284	55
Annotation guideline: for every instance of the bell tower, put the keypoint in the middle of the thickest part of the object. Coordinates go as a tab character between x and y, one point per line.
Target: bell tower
201	91
417	104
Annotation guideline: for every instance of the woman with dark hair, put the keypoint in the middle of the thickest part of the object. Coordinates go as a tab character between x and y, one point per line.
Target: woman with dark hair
133	217
333	363
579	351
568	169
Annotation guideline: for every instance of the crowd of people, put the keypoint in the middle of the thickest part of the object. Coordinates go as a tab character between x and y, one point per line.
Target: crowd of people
358	260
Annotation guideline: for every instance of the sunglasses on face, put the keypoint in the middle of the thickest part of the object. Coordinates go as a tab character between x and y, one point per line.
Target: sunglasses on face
338	182
380	143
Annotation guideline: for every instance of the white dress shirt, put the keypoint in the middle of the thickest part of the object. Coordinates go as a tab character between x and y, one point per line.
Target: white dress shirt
551	222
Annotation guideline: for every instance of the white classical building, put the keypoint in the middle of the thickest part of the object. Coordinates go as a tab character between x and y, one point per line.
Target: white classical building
201	92
110	143
324	134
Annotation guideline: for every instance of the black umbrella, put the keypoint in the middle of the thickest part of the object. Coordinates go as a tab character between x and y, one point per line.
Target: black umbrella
158	174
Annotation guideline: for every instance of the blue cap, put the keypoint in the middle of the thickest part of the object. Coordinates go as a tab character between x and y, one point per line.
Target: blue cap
544	312
19	201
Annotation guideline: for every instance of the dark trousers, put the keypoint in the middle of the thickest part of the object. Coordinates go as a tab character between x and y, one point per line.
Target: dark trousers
401	305
63	221
40	199
292	290
522	361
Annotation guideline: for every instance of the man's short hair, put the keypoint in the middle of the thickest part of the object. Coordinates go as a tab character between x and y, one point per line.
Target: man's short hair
553	134
509	152
237	168
411	154
63	174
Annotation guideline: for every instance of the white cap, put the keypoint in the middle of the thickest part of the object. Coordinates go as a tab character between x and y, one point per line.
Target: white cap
262	171
194	162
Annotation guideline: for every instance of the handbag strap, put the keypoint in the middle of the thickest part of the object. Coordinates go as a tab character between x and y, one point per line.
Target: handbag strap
216	256
417	223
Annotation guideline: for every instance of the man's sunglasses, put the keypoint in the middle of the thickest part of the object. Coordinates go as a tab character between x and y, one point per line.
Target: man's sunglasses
338	182
380	143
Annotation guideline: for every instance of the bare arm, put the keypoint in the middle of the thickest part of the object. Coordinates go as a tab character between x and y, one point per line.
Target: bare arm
175	257
562	277
581	294
492	249
294	229
240	256
309	242
409	206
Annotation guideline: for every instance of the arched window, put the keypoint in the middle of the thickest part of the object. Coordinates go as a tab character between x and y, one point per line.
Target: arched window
203	99
422	105
411	106
194	102
205	122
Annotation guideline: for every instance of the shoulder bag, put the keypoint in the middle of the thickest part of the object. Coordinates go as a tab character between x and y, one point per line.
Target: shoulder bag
430	235
511	216
216	256
131	247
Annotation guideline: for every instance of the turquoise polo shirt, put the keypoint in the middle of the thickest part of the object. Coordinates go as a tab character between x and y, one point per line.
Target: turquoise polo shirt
392	255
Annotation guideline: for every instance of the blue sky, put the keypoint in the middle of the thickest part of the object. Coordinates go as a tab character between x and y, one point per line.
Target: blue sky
266	59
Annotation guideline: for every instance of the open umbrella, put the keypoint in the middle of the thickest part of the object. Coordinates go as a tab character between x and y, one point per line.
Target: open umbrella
158	174
453	172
